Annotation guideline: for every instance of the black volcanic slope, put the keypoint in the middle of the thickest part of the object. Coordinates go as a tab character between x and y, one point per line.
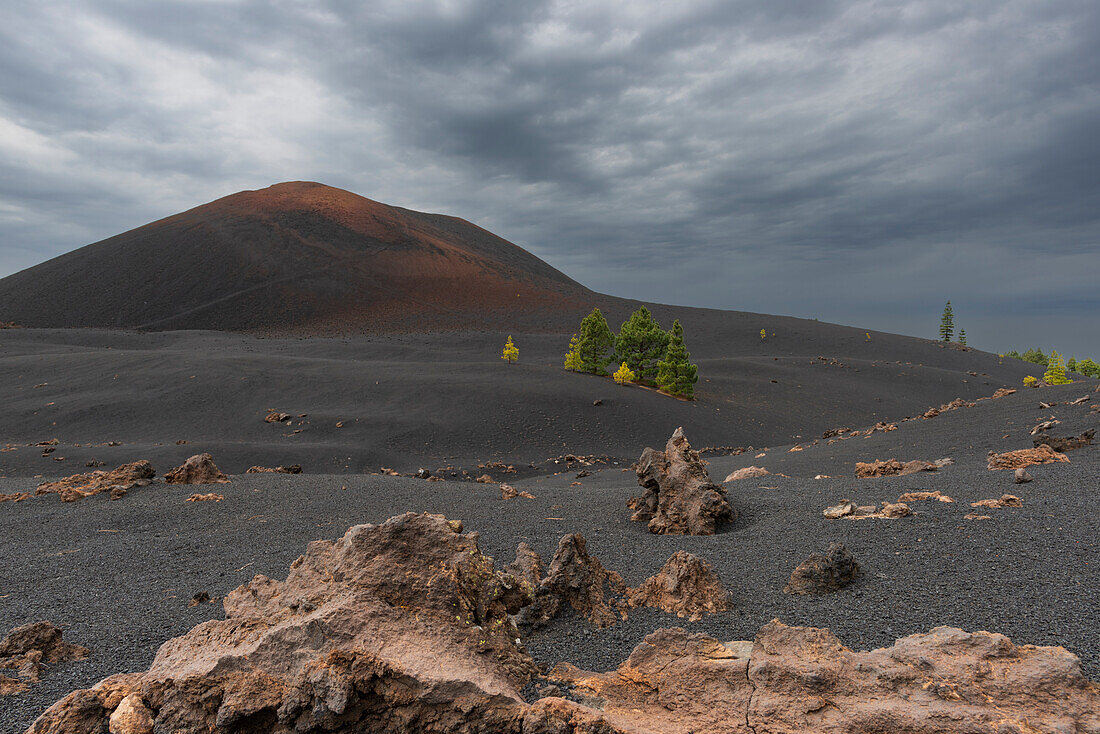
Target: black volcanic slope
299	257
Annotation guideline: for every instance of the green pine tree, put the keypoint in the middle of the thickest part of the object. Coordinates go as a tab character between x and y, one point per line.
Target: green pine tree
1089	368
1056	370
1071	365
1035	356
675	373
596	343
947	323
641	343
962	337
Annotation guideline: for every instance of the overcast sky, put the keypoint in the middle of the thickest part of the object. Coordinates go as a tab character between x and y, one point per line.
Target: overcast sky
857	162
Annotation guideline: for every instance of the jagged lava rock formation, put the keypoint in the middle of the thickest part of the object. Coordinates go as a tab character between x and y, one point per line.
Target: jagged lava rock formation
405	626
680	498
199	469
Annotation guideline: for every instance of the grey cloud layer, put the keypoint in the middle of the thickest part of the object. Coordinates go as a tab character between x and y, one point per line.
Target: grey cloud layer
783	156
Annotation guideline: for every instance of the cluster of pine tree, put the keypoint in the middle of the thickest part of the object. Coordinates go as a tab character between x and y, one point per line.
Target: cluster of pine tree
644	351
1086	367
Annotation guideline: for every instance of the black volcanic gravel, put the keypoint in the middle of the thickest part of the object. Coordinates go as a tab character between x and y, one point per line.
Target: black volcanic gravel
117	575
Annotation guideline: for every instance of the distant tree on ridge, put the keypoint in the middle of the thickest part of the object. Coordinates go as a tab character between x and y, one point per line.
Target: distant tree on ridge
947	323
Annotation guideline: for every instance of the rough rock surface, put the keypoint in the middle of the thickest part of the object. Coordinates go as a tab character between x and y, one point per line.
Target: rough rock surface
892	467
402	626
674	681
276	417
1005	500
574	578
208	497
117	482
1025	457
842	508
1021	476
686	586
802	679
1065	443
199	469
292	469
921	495
820	574
749	472
679	497
508	492
15	497
945	680
26	648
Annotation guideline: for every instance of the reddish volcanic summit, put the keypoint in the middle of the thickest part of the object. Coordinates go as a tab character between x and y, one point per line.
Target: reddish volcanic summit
300	257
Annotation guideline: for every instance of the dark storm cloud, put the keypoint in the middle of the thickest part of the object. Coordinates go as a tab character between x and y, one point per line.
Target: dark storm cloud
856	161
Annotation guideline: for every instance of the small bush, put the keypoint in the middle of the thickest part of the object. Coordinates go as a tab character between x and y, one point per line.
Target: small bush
624	375
1030	381
511	352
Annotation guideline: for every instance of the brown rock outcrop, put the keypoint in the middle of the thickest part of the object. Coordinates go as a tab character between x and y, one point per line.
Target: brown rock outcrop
26	648
277	417
1065	443
820	574
573	577
803	680
749	472
1005	500
508	492
117	482
686	586
15	497
679	497
892	468
199	469
841	509
1002	392
1025	457
674	682
945	680
397	627
292	469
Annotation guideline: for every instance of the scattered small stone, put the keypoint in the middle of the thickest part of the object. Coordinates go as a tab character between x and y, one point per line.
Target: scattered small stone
292	469
199	469
423	473
845	507
1022	477
1025	457
200	597
277	417
749	472
976	516
182	441
597	401
484	479
1005	500
920	495
95	463
208	497
116	482
820	574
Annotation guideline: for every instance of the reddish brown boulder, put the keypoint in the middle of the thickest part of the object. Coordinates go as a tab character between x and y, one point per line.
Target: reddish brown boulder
686	586
575	578
117	482
892	468
26	648
679	497
820	574
292	469
1065	443
199	469
1025	457
749	472
397	627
